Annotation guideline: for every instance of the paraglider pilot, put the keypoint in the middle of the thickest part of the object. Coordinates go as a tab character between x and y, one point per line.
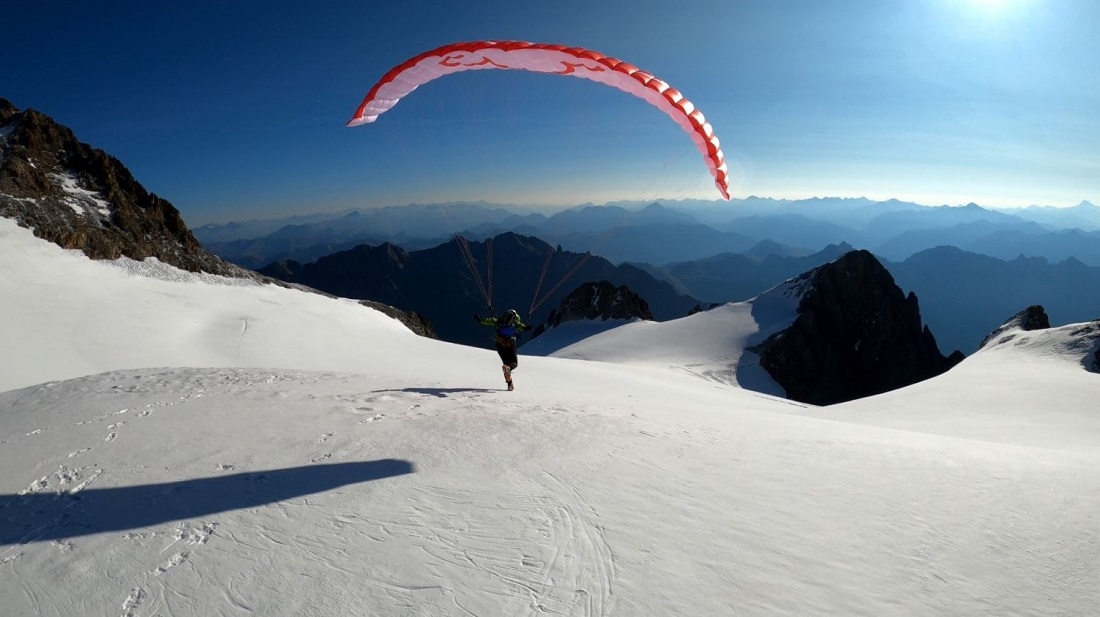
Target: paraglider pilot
508	326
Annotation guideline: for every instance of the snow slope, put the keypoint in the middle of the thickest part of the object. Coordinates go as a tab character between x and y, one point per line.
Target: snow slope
710	344
1031	389
166	460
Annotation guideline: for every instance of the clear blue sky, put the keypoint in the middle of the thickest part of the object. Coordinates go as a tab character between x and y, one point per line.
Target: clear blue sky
236	109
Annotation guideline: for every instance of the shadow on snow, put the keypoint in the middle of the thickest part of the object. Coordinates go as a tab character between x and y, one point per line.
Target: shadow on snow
51	516
439	392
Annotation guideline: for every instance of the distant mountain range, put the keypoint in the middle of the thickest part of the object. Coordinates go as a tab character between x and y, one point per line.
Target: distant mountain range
661	234
963	294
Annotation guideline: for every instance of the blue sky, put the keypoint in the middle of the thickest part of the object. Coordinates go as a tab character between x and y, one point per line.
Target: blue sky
236	110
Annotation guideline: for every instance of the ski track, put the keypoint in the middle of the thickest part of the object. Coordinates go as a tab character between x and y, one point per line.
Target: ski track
545	550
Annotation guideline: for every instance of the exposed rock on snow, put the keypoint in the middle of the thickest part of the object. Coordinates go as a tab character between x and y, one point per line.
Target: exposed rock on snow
601	300
1030	329
1032	318
413	321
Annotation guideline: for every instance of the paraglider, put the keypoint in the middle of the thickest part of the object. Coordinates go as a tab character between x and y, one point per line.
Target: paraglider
544	58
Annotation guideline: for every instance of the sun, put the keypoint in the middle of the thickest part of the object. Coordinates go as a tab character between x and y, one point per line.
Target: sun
1000	12
993	6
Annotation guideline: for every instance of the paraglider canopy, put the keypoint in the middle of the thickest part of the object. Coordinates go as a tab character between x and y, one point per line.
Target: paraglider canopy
545	58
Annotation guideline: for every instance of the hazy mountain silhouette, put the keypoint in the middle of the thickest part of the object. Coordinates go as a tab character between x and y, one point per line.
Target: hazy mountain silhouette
961	235
733	277
965	295
413	226
793	229
1084	216
682	231
1054	245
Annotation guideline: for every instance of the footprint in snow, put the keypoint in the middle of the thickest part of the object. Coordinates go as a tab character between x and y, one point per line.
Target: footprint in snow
133	601
64	547
176	560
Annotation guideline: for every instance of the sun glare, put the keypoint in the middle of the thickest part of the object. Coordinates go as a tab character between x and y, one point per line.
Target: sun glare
994	6
997	17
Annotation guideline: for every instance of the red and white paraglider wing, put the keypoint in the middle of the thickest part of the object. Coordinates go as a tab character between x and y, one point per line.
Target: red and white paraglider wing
541	58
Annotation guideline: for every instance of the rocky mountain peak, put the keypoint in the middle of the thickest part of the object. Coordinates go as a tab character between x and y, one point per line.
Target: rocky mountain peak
856	334
600	300
79	197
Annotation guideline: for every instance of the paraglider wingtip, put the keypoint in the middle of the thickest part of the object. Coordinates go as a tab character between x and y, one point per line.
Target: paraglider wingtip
358	121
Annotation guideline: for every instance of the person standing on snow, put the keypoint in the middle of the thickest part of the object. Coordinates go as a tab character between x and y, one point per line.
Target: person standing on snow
508	328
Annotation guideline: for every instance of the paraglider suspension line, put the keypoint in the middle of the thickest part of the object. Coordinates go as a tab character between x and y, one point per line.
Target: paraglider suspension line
467	256
571	272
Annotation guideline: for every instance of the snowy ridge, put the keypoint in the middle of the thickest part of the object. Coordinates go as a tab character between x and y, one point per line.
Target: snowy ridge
1072	343
176	446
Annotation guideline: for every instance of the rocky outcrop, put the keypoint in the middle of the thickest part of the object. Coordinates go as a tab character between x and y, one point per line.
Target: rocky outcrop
79	197
600	300
1033	317
1031	327
856	334
413	321
698	308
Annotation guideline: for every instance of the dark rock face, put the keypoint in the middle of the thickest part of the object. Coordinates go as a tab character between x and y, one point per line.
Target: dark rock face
1033	317
79	197
601	300
856	334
